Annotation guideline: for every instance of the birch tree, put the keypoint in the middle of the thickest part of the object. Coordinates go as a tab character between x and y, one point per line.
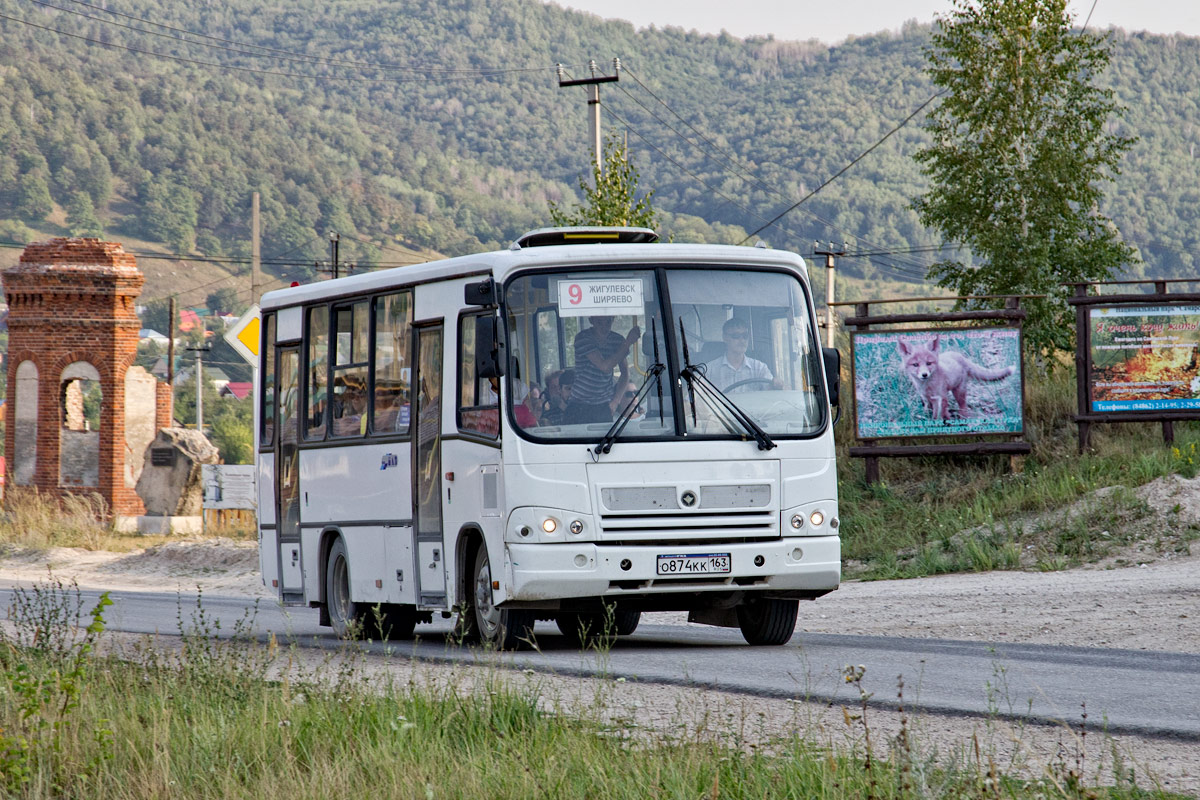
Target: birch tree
1023	141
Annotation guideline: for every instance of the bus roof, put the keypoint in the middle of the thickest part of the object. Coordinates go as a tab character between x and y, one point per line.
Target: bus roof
498	264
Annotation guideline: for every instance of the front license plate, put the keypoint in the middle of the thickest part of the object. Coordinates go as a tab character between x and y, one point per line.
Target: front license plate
704	564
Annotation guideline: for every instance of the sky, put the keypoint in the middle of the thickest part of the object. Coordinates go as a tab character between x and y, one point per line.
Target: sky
832	22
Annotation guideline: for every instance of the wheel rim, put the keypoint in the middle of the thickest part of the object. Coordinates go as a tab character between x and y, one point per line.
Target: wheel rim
341	591
487	615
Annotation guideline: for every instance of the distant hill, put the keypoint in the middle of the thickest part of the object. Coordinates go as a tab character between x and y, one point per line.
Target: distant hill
462	140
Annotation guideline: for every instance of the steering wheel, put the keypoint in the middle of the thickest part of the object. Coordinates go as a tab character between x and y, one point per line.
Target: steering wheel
733	386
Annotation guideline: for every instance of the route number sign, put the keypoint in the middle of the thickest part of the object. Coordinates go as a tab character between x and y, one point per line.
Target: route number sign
594	297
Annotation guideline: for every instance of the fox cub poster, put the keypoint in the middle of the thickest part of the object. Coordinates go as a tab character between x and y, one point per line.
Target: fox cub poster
938	382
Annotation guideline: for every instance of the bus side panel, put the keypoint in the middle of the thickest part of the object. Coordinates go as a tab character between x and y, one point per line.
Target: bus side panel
357	483
473	499
268	548
362	489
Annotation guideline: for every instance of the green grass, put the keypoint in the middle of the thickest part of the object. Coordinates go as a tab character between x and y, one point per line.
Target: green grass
219	719
933	515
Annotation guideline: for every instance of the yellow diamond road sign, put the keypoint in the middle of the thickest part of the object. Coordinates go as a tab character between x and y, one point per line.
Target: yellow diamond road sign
244	335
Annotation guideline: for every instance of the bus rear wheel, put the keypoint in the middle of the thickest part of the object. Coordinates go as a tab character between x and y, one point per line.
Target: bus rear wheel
767	621
347	617
504	628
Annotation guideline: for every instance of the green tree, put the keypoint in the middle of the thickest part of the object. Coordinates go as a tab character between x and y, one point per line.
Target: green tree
611	198
81	216
33	197
224	300
1020	148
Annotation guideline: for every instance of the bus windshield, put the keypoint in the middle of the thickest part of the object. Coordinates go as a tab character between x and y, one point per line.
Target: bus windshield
583	346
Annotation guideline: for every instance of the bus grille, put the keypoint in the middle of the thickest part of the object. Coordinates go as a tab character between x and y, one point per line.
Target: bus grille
691	525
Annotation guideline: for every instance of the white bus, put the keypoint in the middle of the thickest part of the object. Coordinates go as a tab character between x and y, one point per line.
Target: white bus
582	428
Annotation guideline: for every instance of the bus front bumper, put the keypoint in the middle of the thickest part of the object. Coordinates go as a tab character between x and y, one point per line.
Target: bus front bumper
538	572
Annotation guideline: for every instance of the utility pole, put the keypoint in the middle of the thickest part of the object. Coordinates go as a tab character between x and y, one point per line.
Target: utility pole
255	250
198	349
830	319
593	84
334	239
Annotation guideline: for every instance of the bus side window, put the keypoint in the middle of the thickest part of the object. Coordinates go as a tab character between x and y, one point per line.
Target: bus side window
478	401
549	346
391	403
350	370
317	368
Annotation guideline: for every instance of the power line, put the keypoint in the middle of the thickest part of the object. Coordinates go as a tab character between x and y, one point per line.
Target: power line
844	169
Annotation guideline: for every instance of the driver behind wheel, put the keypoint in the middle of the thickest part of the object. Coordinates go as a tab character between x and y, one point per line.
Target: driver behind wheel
735	366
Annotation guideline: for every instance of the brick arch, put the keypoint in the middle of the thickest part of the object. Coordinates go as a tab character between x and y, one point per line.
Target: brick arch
105	370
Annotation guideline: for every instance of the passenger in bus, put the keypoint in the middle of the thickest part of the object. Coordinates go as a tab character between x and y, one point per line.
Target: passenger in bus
527	401
622	400
598	350
349	413
558	394
389	416
735	367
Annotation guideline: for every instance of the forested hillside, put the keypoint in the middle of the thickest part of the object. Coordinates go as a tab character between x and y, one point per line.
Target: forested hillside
439	124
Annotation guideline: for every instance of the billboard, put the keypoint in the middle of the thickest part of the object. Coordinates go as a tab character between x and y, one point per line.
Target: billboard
944	382
1144	358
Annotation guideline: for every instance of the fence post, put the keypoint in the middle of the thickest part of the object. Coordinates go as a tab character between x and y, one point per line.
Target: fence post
1081	378
1016	463
871	463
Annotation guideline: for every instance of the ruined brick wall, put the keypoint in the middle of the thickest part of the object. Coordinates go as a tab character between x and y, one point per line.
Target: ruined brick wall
72	300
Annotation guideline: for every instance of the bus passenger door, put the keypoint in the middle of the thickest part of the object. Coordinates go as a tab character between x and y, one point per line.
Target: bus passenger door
427	469
287	470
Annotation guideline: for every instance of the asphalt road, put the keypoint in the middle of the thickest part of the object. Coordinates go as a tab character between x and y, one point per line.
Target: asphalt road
1124	691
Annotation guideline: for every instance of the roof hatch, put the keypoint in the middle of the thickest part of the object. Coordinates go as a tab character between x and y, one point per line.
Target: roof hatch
544	237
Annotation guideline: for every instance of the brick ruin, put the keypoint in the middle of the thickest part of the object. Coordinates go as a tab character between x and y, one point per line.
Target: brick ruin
80	414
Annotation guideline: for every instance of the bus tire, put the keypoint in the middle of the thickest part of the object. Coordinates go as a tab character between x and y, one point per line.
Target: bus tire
346	617
592	628
626	622
767	621
397	622
504	628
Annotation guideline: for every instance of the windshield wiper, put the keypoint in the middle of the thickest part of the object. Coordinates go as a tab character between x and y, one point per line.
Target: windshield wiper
727	411
656	371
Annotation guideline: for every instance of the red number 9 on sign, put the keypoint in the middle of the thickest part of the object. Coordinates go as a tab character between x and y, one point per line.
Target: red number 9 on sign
576	293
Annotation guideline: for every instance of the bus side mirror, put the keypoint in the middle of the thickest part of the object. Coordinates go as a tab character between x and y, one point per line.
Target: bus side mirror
833	372
482	293
489	347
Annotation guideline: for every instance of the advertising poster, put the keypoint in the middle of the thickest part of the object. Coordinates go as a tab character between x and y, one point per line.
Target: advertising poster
941	382
1144	358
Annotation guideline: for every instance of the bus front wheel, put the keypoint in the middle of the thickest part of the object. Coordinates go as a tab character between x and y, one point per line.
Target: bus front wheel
505	628
767	621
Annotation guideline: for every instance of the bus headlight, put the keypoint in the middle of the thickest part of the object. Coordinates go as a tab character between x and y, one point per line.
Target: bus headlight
797	521
816	518
549	524
576	527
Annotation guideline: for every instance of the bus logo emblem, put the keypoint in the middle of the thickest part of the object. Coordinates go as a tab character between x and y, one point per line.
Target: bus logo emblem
688	498
389	460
